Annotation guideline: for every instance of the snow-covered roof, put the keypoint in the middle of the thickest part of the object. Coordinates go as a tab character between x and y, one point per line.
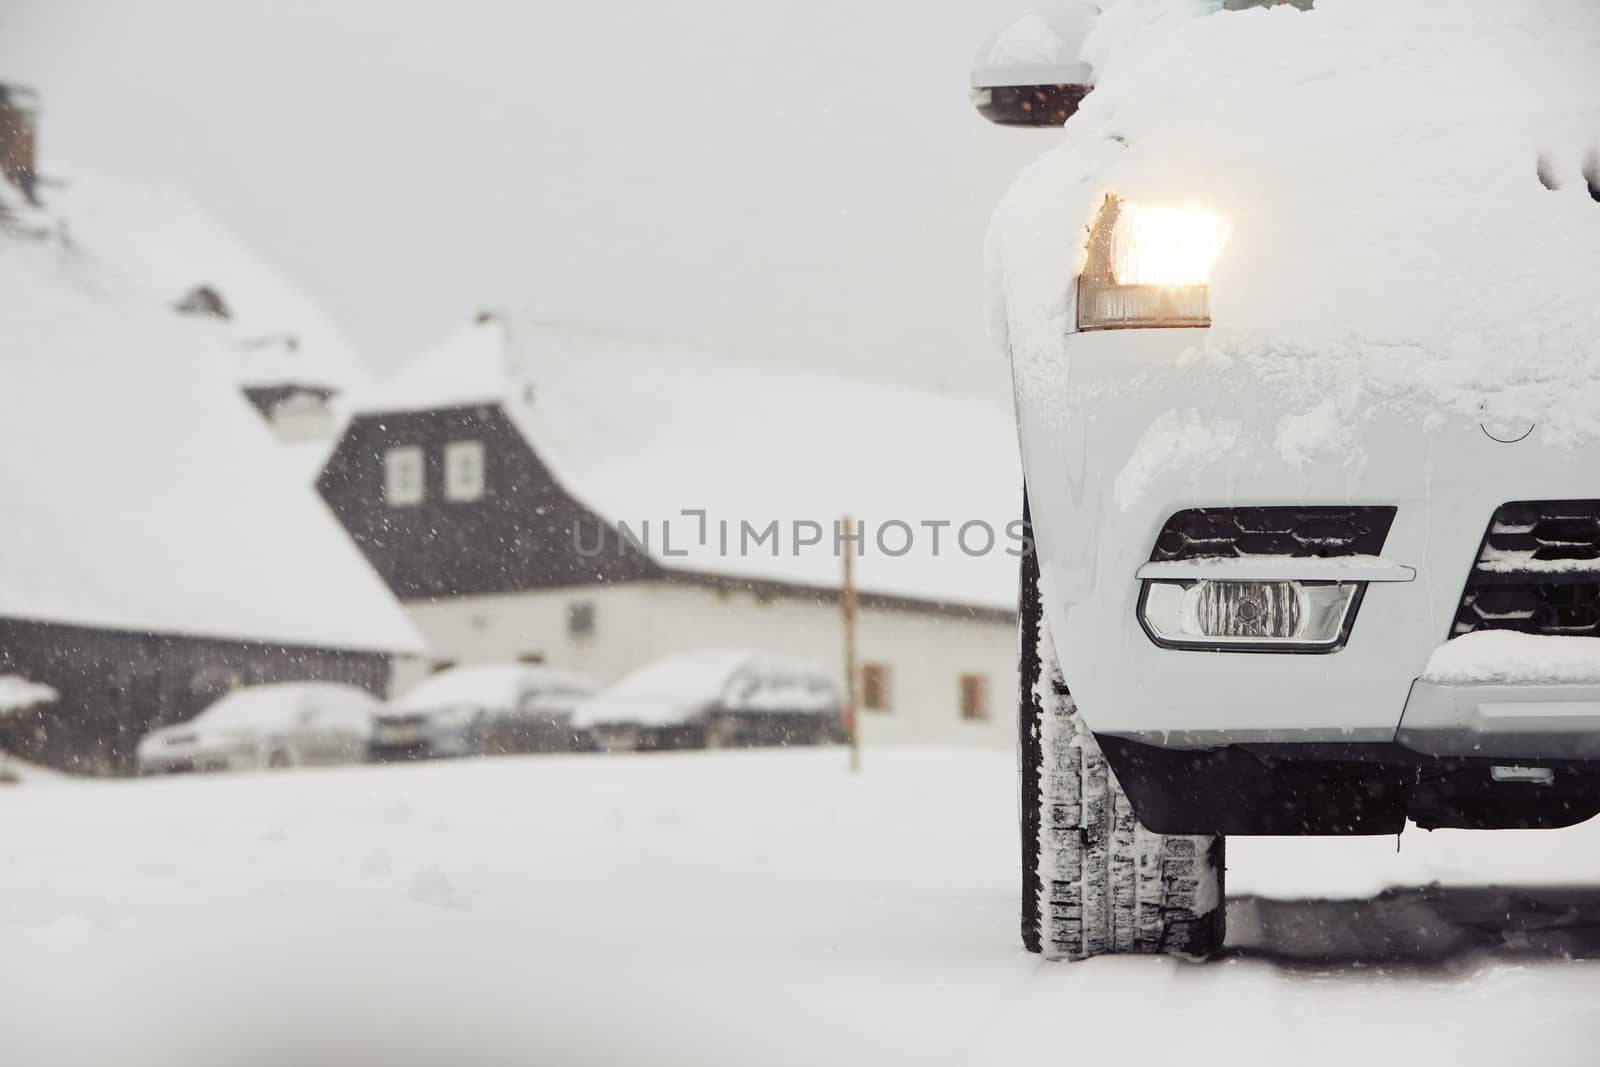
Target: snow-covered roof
639	432
489	685
166	247
1409	191
475	365
144	491
309	458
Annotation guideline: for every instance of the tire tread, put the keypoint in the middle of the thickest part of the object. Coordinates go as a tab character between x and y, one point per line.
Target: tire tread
1094	880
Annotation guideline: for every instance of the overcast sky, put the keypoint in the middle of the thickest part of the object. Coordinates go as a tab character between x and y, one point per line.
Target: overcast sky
794	180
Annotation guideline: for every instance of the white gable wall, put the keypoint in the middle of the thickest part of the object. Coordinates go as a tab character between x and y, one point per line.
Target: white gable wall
638	621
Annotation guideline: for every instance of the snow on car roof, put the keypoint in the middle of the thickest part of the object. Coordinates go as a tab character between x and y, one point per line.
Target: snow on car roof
672	687
689	674
274	703
166	247
494	685
153	495
1410	191
639	432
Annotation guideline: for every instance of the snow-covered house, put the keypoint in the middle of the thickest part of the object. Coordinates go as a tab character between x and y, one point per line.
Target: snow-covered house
276	344
156	550
594	503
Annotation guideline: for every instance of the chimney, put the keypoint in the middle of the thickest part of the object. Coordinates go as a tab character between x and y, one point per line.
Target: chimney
19	110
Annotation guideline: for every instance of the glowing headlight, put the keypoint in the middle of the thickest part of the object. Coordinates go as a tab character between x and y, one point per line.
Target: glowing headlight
1222	615
1165	245
1148	266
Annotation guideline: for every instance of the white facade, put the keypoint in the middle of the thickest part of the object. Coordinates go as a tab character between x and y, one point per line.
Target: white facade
926	652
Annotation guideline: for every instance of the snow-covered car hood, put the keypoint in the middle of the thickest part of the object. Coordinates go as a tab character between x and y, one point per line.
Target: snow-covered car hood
1411	196
191	736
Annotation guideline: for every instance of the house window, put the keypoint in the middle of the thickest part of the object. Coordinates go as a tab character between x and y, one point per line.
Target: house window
875	686
403	483
463	470
974	697
580	618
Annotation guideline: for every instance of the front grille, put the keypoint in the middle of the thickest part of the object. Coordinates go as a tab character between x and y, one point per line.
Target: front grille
1537	572
1201	533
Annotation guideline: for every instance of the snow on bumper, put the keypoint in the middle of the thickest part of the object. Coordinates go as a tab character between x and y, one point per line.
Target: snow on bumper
1131	428
1502	694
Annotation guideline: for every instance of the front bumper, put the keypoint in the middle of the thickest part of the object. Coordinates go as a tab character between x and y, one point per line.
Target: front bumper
409	740
192	761
1533	722
1128	430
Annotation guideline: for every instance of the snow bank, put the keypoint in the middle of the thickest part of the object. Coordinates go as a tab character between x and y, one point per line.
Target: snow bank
1502	656
19	772
707	909
641	432
1393	245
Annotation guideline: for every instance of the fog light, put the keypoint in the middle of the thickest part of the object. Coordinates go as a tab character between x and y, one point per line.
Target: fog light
1249	615
1243	609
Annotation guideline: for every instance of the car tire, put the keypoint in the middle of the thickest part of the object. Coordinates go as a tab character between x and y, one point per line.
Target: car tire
1094	881
279	759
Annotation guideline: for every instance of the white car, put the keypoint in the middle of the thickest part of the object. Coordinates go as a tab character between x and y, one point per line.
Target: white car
717	698
484	709
282	725
1301	322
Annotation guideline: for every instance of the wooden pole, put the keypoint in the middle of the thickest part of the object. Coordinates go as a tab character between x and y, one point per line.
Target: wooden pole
847	603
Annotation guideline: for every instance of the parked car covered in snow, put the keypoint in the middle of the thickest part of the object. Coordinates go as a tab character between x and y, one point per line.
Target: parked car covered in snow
717	698
484	709
286	724
1301	323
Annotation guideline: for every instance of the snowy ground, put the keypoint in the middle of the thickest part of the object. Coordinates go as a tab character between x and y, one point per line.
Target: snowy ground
732	908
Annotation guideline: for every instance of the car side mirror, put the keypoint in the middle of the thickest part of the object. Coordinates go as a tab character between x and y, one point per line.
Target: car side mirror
1029	73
